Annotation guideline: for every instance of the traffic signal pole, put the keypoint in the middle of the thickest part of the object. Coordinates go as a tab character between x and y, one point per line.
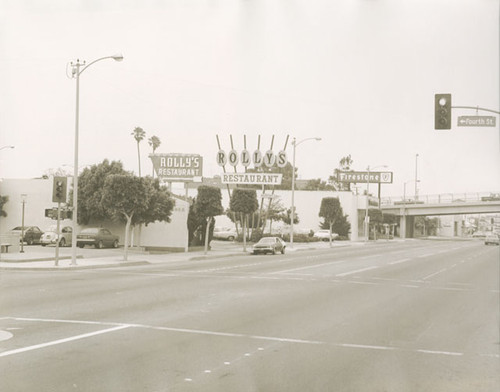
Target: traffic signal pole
57	233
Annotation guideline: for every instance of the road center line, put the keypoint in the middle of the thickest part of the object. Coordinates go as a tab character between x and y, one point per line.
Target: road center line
60	341
308	267
434	274
356	271
399	261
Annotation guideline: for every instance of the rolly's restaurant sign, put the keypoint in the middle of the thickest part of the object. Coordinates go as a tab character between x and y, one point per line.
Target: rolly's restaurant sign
177	167
257	159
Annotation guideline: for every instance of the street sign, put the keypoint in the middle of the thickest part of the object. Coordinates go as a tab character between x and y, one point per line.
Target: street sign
477	121
362	177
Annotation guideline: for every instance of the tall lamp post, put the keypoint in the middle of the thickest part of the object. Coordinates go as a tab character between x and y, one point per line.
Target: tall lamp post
416	177
295	143
367	223
77	70
23	202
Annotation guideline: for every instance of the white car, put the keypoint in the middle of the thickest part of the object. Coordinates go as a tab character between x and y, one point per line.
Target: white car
224	233
49	236
492	238
324	235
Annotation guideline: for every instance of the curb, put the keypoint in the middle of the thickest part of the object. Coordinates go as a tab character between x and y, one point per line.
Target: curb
77	267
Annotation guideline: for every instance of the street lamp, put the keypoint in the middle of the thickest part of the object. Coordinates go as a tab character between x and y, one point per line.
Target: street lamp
367	225
23	202
416	177
292	215
77	70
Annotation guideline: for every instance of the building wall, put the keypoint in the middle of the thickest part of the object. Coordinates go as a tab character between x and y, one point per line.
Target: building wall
173	235
307	205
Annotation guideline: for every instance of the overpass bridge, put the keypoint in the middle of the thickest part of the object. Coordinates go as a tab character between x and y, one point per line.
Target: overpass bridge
435	205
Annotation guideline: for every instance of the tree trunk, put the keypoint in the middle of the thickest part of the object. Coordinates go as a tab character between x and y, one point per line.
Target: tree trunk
331	225
127	234
209	221
244	234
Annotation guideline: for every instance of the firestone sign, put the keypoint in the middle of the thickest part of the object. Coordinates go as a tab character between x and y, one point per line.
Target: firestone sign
364	177
177	167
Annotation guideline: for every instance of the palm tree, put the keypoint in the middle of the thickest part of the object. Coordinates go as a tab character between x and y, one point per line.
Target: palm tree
139	135
154	141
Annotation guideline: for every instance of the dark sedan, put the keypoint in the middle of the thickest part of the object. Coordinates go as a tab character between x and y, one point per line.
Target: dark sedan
97	237
269	245
31	234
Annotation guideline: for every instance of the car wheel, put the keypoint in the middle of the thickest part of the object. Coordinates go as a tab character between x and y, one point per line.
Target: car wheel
230	238
115	244
273	252
43	244
98	245
62	242
29	241
283	251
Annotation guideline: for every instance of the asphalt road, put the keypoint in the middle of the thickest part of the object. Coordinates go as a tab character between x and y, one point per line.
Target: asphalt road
412	316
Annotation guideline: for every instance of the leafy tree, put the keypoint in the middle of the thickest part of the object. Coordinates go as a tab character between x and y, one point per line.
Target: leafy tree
345	164
244	201
287	217
90	187
332	213
3	201
376	219
139	135
135	200
208	205
318	185
274	211
154	142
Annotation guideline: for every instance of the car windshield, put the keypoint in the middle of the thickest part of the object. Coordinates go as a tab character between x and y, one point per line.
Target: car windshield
268	240
18	228
89	231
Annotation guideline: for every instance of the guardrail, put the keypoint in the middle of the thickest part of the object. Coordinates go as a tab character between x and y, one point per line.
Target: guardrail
442	198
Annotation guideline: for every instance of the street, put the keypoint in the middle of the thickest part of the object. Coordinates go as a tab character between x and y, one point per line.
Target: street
386	316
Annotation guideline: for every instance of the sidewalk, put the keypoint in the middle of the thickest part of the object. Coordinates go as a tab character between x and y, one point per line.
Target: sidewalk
37	260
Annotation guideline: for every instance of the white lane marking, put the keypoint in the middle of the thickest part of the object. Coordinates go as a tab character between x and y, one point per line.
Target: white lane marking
426	255
60	341
119	326
440	352
366	346
356	271
399	261
434	274
4	335
309	266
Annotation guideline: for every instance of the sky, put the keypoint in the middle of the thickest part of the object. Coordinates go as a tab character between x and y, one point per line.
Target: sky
359	74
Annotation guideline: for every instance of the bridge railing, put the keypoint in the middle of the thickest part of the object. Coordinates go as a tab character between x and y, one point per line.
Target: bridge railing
441	198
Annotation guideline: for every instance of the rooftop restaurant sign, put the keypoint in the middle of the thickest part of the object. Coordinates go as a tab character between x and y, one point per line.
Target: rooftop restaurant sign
177	167
257	159
364	177
252	178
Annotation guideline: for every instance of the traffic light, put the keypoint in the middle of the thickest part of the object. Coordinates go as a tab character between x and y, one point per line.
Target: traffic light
59	190
442	111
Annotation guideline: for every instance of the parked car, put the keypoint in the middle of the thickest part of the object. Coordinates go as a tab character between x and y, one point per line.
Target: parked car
50	236
269	245
491	197
492	238
224	233
98	237
324	235
31	236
